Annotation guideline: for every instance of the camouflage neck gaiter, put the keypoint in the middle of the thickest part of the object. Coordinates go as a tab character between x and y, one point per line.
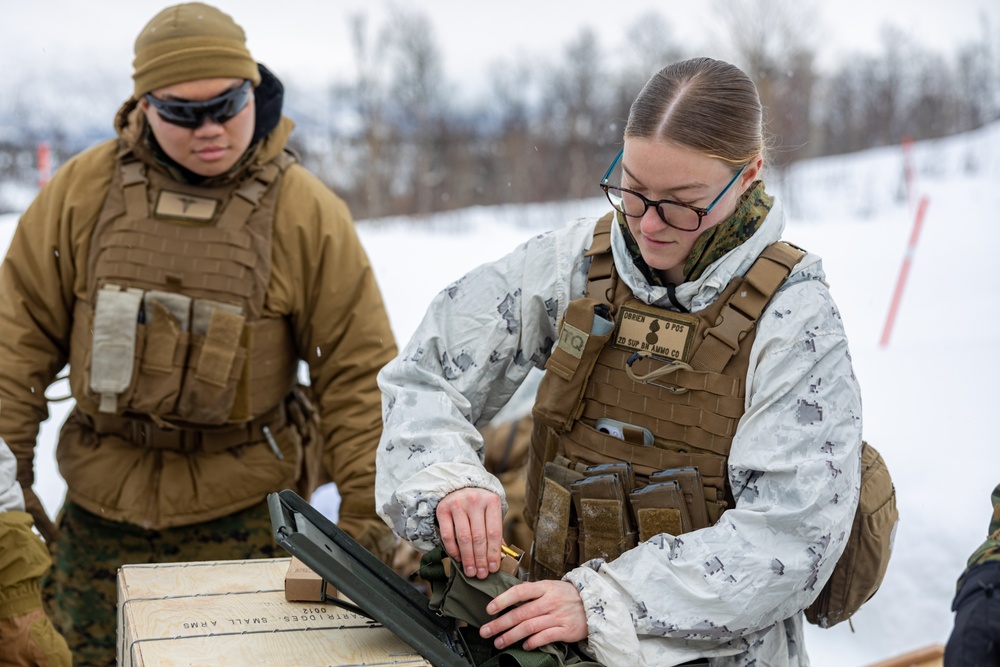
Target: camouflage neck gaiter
715	241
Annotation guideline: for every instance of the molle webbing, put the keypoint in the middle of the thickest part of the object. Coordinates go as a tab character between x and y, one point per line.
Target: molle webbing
134	185
250	193
692	411
200	258
206	262
703	418
222	255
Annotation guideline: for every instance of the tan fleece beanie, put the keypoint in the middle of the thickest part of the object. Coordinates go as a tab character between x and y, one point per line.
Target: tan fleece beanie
188	42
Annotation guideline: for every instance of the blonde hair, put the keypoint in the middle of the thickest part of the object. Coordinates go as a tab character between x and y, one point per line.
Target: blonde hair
707	105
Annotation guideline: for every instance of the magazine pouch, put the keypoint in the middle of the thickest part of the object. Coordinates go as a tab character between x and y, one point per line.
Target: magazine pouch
555	544
166	318
689	481
602	516
217	356
660	508
455	595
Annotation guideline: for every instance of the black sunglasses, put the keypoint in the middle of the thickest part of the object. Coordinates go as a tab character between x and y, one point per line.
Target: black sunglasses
192	114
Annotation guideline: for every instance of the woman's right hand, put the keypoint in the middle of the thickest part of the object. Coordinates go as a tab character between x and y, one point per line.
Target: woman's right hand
471	524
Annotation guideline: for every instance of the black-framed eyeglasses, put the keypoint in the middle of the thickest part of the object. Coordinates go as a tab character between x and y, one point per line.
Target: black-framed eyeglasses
678	215
191	114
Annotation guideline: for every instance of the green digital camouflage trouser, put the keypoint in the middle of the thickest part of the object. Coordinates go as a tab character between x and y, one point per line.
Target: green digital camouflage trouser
81	588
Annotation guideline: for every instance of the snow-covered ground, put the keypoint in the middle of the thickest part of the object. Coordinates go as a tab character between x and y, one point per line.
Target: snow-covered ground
928	393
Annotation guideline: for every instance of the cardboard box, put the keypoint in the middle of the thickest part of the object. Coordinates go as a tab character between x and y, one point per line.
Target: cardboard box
304	585
235	613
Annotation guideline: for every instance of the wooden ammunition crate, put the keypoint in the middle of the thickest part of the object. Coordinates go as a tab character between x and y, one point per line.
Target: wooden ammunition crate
234	613
928	656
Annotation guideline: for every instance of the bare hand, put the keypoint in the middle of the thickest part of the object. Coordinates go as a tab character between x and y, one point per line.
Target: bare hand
471	523
552	611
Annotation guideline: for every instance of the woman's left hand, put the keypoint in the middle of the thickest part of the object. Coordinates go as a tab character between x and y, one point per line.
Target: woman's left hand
551	611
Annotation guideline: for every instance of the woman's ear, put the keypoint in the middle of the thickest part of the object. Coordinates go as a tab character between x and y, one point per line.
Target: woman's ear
752	172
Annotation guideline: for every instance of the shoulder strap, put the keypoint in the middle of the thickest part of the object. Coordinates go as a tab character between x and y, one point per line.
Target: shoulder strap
251	190
602	277
738	316
745	306
134	184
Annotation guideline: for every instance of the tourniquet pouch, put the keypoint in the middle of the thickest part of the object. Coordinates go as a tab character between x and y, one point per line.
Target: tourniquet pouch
303	415
166	328
689	480
660	508
465	598
584	330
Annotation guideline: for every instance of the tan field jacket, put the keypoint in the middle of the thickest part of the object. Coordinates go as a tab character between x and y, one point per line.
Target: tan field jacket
321	282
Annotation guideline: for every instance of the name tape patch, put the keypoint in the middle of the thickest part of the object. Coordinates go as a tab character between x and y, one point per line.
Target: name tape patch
654	331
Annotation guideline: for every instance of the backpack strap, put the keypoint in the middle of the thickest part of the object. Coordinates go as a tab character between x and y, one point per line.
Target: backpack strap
745	306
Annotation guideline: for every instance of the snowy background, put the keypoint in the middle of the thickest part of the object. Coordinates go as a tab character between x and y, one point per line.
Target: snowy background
928	395
307	42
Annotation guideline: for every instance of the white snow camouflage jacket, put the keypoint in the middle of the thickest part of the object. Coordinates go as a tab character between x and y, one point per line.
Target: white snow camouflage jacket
731	592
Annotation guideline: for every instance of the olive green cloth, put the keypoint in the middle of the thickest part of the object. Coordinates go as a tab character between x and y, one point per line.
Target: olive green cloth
465	598
27	636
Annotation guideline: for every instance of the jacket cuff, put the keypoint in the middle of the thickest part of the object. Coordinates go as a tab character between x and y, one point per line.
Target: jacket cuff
19	599
23	555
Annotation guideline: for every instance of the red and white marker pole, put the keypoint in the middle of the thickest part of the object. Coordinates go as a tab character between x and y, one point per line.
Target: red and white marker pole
904	271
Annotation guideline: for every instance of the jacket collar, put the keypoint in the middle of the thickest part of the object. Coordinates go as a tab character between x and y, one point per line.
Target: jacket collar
697	294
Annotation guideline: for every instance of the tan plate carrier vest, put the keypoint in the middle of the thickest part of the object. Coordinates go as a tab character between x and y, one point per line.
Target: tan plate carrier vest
666	390
169	348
